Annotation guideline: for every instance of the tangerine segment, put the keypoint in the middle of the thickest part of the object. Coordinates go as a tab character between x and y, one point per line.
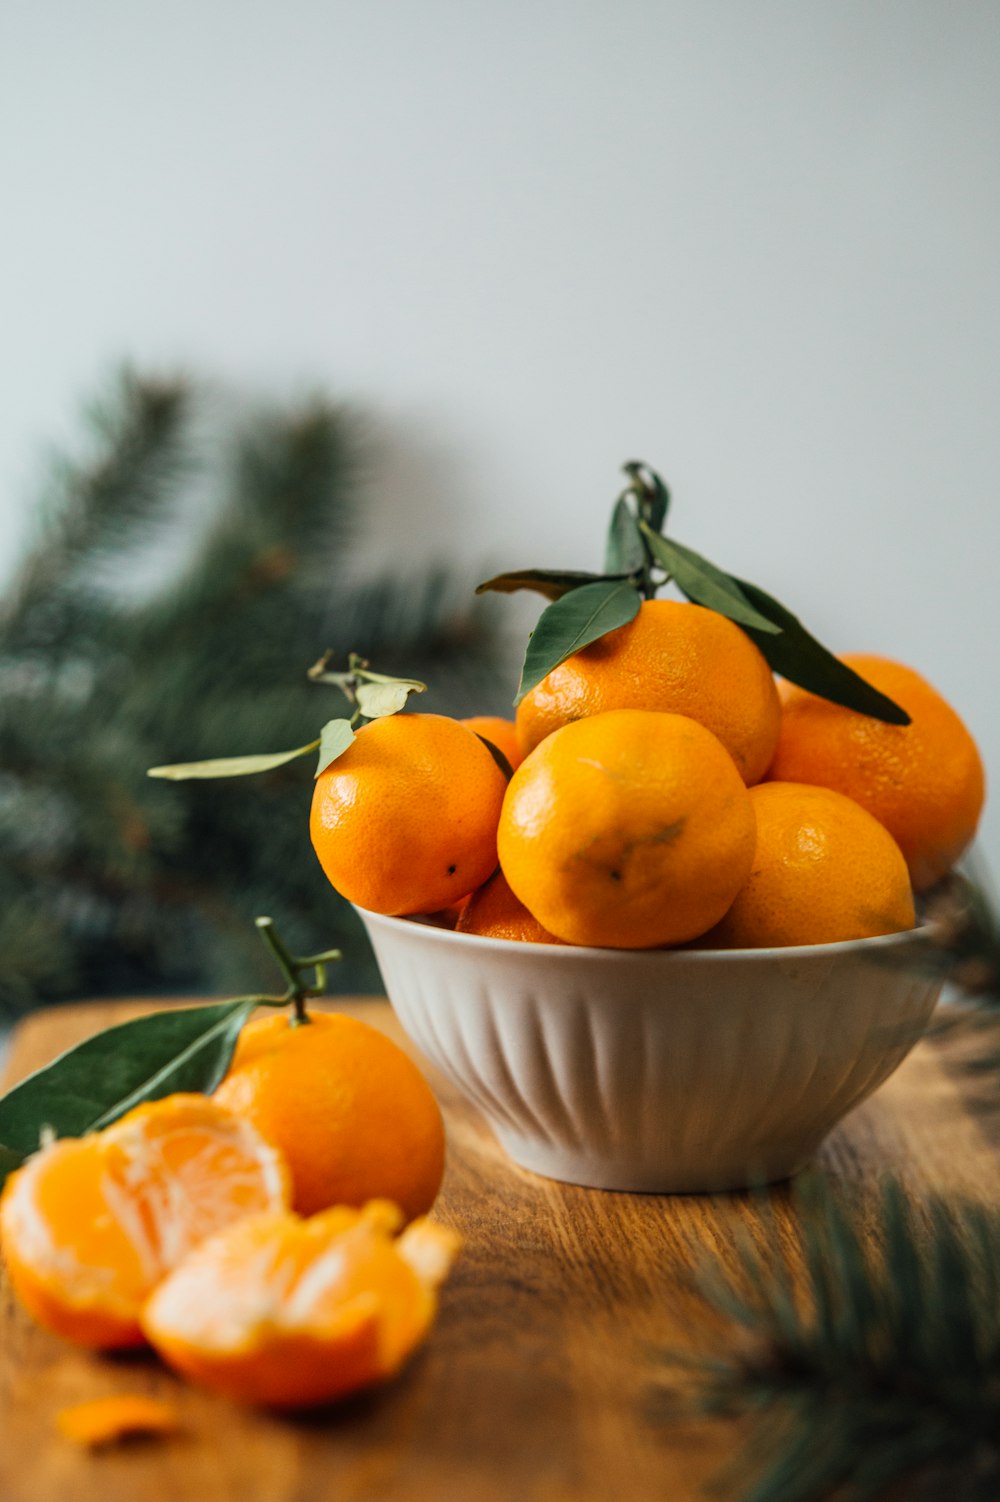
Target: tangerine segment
405	820
350	1112
627	830
675	658
90	1225
824	870
290	1313
923	781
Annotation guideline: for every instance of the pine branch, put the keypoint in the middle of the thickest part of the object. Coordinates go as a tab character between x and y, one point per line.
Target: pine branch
96	508
886	1370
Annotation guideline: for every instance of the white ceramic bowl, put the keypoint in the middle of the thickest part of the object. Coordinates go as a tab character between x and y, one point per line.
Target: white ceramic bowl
663	1070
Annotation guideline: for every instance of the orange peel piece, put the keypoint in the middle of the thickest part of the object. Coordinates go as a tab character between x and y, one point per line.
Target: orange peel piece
106	1421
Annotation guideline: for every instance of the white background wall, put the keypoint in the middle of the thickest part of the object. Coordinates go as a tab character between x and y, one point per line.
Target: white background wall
755	242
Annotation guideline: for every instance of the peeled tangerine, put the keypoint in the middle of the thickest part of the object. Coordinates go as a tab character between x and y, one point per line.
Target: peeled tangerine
288	1313
89	1226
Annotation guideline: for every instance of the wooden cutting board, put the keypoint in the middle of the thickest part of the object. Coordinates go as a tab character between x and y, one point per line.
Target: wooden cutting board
537	1382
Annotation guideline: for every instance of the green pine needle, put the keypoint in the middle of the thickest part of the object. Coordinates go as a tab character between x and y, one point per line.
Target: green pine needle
885	1370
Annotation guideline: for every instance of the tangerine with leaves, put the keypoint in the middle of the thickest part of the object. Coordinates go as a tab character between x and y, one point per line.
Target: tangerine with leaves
90	1225
676	658
290	1313
350	1112
405	820
628	830
923	781
824	870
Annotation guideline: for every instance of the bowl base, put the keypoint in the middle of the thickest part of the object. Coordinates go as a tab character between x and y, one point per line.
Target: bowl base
618	1174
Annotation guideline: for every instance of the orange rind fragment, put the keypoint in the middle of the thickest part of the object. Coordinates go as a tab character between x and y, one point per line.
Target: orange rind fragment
105	1421
290	1313
90	1225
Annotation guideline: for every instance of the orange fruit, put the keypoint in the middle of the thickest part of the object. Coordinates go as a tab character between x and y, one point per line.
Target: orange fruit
405	820
503	734
823	870
289	1313
675	658
923	781
90	1225
495	913
629	829
350	1112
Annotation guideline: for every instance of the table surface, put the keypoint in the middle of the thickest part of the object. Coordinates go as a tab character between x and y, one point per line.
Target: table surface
537	1381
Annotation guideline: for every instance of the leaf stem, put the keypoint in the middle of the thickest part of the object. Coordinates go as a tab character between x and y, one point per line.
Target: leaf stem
291	968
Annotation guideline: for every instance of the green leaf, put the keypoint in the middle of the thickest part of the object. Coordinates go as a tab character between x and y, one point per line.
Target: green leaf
376	700
705	584
334	740
551	582
624	552
230	766
497	755
801	659
651	493
574	622
90	1086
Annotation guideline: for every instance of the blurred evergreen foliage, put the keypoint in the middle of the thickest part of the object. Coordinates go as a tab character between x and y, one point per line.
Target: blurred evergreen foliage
111	882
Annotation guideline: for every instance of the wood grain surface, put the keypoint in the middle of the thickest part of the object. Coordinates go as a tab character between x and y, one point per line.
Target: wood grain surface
538	1380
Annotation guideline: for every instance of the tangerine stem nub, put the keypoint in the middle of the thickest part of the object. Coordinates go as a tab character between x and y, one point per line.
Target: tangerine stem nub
292	966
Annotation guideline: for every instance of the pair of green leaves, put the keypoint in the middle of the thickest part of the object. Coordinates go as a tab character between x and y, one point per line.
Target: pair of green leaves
373	695
639	560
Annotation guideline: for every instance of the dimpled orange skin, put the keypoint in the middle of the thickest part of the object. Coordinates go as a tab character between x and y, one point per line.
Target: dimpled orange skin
503	734
495	913
923	781
627	830
824	870
405	820
350	1112
676	658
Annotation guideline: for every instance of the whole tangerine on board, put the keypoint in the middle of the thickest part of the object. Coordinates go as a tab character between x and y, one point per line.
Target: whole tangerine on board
923	781
824	870
628	830
350	1112
502	733
90	1225
404	821
289	1313
495	913
676	658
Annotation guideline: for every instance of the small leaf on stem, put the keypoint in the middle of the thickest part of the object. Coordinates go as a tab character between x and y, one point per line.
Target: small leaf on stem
801	659
334	740
553	583
624	552
375	700
705	584
652	495
230	766
574	622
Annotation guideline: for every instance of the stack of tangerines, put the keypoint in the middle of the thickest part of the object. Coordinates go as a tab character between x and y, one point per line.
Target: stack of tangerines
665	791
